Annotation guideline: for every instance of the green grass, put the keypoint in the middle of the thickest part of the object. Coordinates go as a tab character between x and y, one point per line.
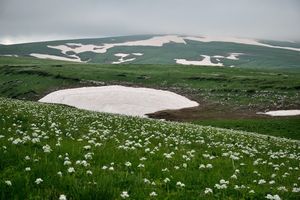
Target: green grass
242	159
241	87
29	78
288	127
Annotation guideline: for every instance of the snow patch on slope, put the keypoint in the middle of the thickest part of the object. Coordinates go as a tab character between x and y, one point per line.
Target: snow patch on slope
238	41
281	113
205	62
120	99
121	59
46	56
157	41
124	55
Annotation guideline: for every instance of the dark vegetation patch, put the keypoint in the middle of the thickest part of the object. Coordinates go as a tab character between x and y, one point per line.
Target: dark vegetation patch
56	65
143	77
203	78
122	75
12	70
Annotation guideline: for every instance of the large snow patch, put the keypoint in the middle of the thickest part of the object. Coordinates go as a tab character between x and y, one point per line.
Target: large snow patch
119	99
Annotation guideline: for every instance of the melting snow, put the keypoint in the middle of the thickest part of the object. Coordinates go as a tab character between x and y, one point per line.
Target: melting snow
10	55
234	56
238	41
46	56
281	113
156	41
121	59
137	54
205	62
119	99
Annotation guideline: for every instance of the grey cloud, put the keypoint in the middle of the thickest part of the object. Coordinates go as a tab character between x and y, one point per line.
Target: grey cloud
59	19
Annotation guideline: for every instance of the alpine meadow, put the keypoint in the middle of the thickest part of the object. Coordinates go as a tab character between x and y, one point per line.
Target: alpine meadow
149	100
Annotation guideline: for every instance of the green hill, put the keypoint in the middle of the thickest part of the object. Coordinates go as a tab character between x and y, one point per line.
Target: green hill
260	56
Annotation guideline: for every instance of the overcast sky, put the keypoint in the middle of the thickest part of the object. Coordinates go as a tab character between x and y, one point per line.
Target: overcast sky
40	20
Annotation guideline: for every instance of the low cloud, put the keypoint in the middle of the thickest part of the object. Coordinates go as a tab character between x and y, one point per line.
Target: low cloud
37	20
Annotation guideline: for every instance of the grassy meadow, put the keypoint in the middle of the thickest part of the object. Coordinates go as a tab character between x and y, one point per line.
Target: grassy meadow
27	78
58	152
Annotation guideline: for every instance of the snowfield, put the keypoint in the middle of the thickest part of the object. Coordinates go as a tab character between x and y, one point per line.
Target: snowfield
282	113
46	56
158	41
119	99
205	62
124	55
238	41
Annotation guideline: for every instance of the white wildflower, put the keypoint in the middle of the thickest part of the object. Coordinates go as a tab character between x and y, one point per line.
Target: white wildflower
62	197
166	180
261	181
8	182
271	197
89	172
208	190
295	189
104	167
71	170
209	166
27	169
59	173
128	164
38	181
47	148
180	184
153	194
124	194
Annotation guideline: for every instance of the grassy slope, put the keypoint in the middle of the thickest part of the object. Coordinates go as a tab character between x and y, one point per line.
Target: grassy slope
110	140
226	85
28	78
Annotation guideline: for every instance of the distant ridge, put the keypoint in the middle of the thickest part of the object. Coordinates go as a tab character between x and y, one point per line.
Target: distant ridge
166	49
